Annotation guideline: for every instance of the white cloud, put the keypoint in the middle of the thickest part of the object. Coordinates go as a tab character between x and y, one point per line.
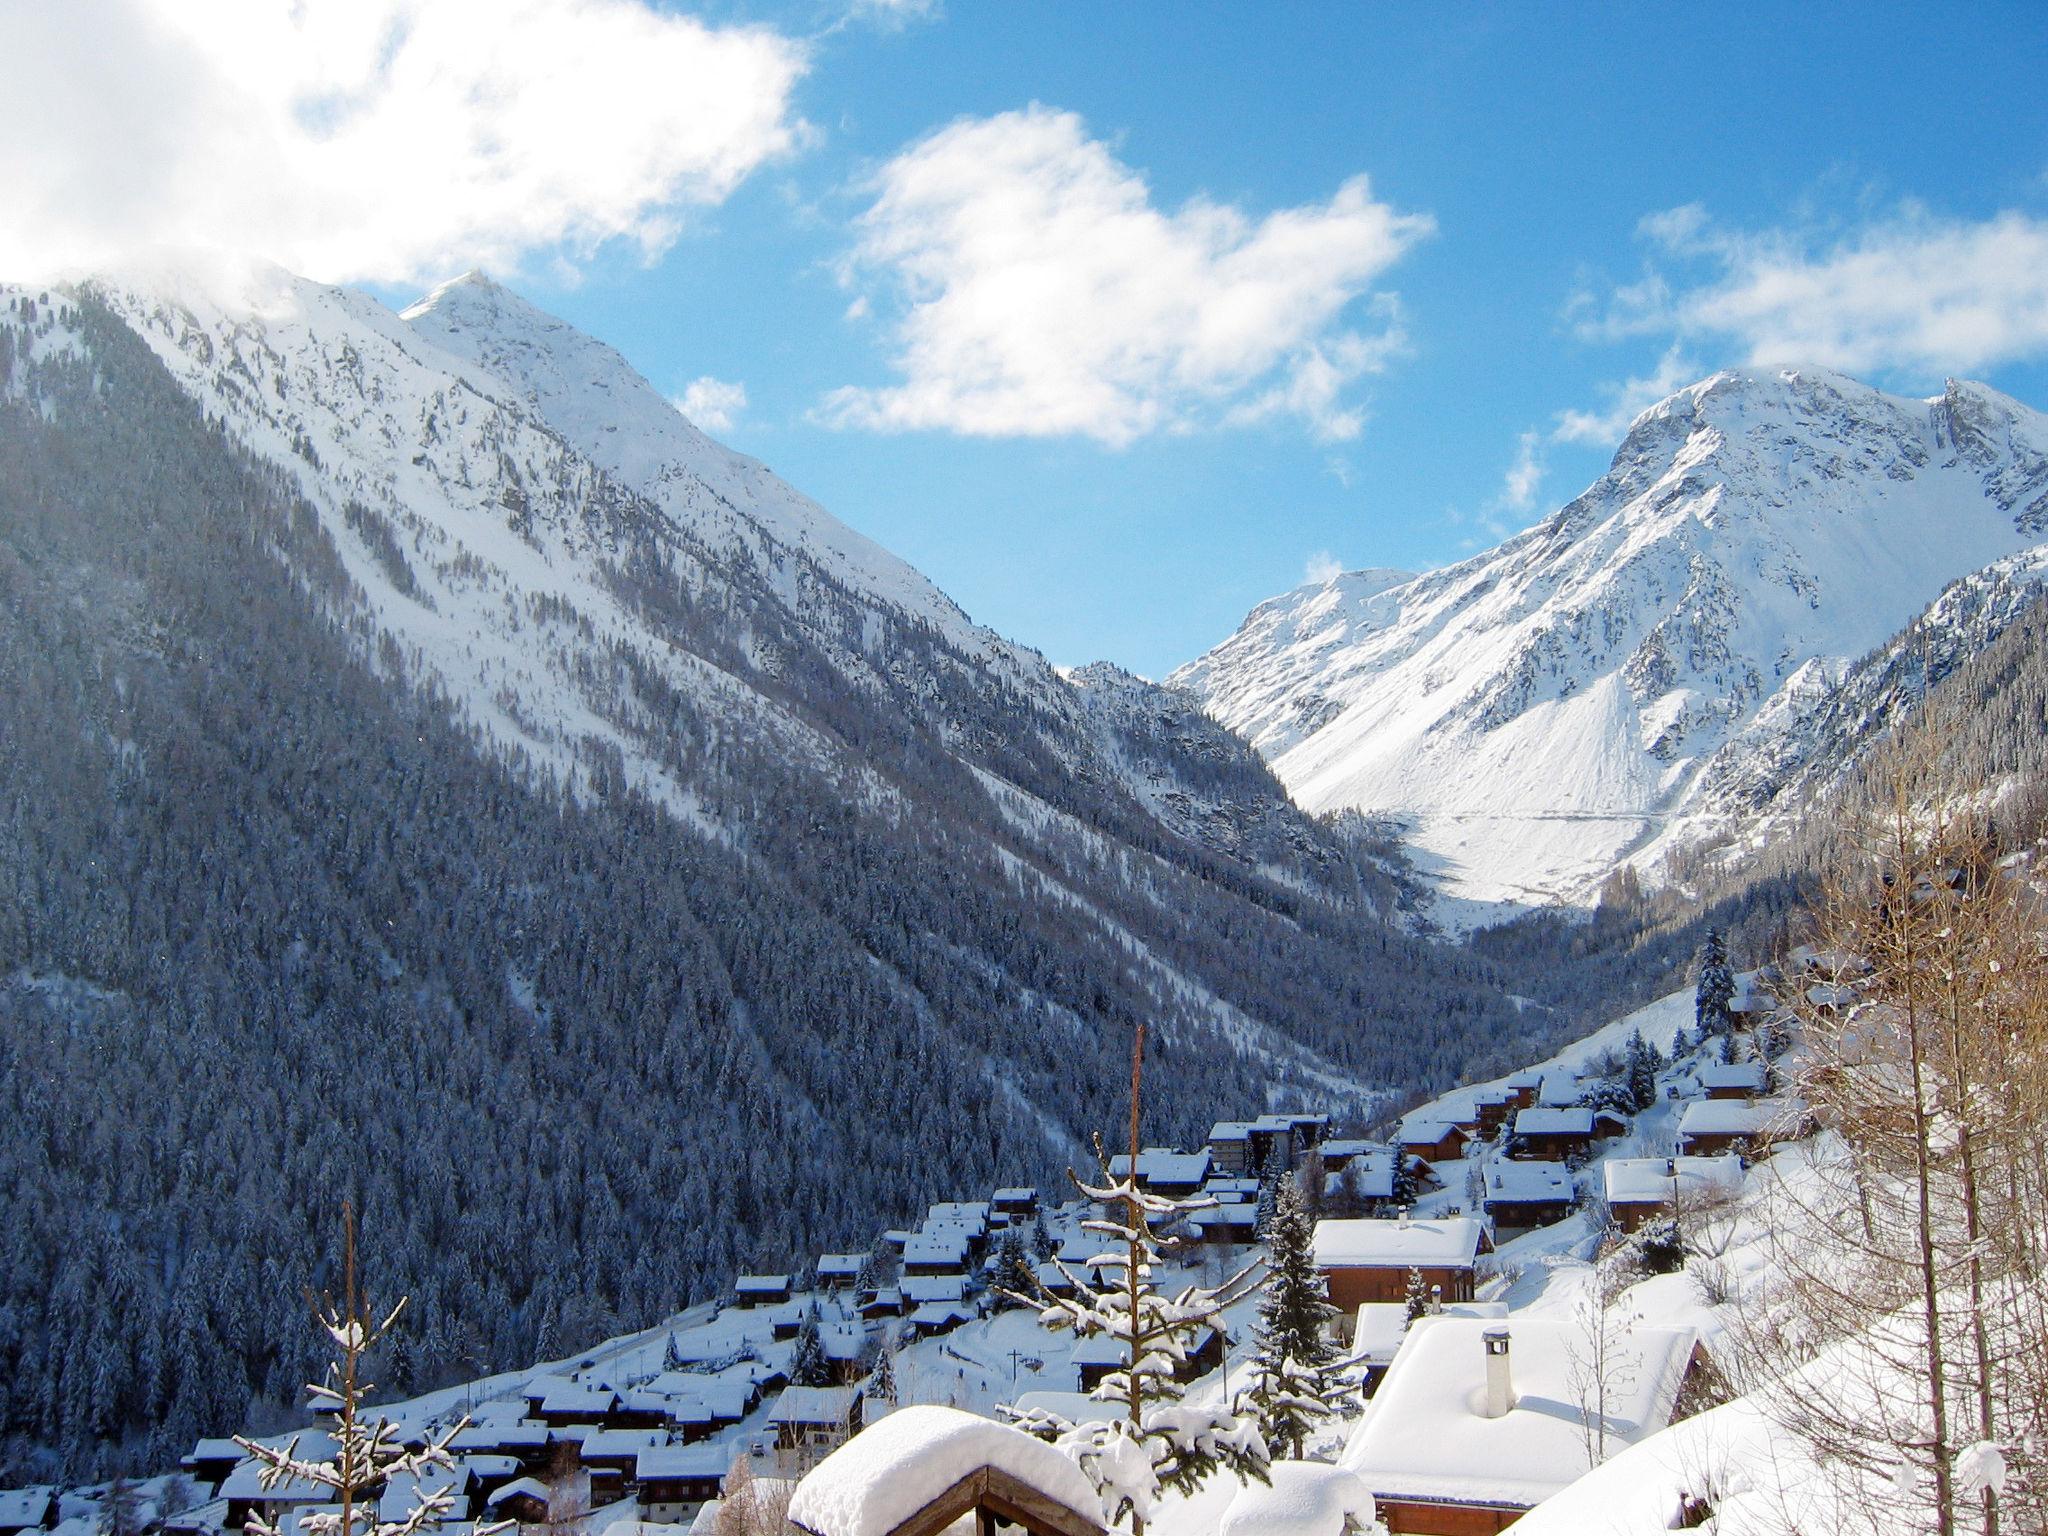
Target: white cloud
1033	289
376	139
1910	293
1606	425
712	404
1322	566
1525	476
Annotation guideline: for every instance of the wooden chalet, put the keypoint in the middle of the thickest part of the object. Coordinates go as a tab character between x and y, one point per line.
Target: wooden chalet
925	1470
523	1499
1163	1171
1552	1133
1733	1079
29	1509
1524	1085
678	1480
937	1251
1369	1259
812	1422
1433	1138
838	1271
1710	1127
1640	1189
208	1463
1522	1195
1018	1202
760	1290
1492	1108
1477	1420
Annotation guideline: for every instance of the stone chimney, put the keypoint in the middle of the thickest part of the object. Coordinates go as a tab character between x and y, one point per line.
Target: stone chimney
1500	1382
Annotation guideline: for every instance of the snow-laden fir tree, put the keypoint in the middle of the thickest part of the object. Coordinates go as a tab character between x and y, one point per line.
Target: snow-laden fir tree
808	1366
672	1357
1296	1382
1158	1443
1042	1245
1716	989
1015	1282
881	1385
1640	1071
1416	1300
367	1453
1270	1178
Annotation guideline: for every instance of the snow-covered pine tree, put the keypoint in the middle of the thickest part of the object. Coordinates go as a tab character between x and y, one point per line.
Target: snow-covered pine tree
367	1453
1271	1177
1640	1071
808	1366
1716	989
1042	1245
1417	1298
1296	1382
672	1357
1404	1189
1158	1443
1015	1282
882	1379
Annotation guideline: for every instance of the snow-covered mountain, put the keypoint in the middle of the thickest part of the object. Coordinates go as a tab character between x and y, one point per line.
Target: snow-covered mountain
1572	698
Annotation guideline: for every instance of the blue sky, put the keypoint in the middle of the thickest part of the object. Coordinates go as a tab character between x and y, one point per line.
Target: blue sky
1244	362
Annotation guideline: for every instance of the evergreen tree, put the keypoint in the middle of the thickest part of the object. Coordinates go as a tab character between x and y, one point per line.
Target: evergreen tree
1042	1245
1157	1443
1417	1299
1271	1177
808	1366
1405	1189
882	1379
1716	989
1015	1283
1640	1071
672	1357
1295	1382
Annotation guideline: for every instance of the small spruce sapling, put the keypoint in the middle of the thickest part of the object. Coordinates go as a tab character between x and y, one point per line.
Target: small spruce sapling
1296	1382
367	1453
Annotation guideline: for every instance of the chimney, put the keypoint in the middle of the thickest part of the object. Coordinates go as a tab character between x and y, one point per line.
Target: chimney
1404	1216
1500	1384
1436	1298
1670	1167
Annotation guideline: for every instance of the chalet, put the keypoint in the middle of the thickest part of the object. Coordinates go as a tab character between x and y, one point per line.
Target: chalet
1524	1085
31	1509
1561	1088
1379	1327
1053	1280
927	1469
1640	1188
846	1351
524	1499
760	1290
883	1301
639	1408
247	1495
1711	1126
1368	1175
1225	1224
1478	1420
524	1439
811	1422
919	1289
1340	1150
1230	1147
556	1400
1522	1195
929	1318
1733	1079
1492	1108
1227	1189
678	1480
404	1491
837	1271
1369	1259
787	1320
896	1237
936	1251
1018	1202
208	1463
1552	1133
612	1457
1163	1171
1433	1138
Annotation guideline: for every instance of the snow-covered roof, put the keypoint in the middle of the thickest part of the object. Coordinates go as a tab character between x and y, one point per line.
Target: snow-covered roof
812	1405
1163	1165
1349	1146
940	1314
1750	1075
1560	1087
923	1288
1016	1194
405	1490
1654	1180
1427	1435
1722	1117
948	1245
1230	1130
683	1461
834	1265
211	1448
30	1506
1301	1498
748	1284
617	1443
531	1487
485	1437
1380	1326
899	1464
1554	1121
1421	1130
1375	1243
1515	1180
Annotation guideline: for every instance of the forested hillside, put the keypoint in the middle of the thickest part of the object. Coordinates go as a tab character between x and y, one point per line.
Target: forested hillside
278	928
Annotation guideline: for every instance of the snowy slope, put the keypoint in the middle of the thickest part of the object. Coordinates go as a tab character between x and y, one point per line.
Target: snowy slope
1544	709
